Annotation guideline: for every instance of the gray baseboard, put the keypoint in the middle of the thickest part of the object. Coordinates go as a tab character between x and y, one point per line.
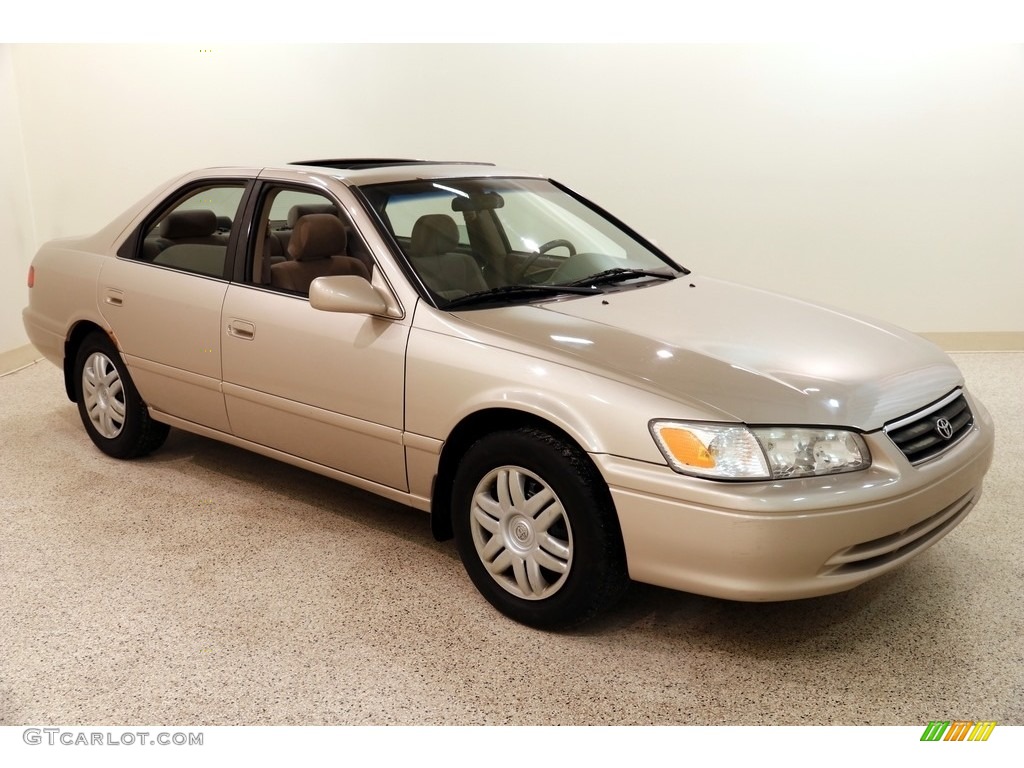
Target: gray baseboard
18	358
991	341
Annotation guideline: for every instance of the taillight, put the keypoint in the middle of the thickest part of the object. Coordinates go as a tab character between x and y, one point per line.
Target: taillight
31	276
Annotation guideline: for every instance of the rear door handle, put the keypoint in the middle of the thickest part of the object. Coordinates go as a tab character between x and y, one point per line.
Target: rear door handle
242	329
113	296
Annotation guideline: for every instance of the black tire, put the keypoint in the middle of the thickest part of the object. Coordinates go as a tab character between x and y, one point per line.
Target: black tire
553	549
115	417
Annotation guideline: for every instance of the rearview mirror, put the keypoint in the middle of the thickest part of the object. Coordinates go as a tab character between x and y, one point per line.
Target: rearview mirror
346	293
480	201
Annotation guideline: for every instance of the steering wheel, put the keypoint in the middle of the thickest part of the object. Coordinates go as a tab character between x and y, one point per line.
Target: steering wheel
549	245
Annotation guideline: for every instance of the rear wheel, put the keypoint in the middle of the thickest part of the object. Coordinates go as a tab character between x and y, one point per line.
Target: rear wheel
536	529
114	415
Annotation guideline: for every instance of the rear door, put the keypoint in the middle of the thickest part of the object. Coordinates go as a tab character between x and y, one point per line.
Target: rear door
163	294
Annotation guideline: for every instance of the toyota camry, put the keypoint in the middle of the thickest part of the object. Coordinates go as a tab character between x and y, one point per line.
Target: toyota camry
570	403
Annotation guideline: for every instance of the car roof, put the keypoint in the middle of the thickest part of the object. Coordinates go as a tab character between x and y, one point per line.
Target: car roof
364	163
360	171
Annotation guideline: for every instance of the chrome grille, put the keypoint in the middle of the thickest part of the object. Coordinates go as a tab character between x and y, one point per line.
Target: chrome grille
930	432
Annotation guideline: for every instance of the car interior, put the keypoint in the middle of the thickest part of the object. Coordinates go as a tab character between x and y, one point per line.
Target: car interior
435	238
303	236
317	247
193	236
458	242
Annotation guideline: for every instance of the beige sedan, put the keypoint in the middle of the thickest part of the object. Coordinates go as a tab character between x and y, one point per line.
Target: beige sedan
570	403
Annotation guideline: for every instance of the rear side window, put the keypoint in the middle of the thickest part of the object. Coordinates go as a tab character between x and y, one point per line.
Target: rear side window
192	233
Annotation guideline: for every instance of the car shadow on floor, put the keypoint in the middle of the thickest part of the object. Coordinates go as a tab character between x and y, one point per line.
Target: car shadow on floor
897	609
269	476
771	629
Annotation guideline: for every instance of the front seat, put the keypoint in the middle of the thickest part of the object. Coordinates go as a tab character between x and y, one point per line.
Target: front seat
435	237
315	249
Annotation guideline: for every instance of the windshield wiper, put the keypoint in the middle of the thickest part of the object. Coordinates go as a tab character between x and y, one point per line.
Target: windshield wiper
517	290
618	275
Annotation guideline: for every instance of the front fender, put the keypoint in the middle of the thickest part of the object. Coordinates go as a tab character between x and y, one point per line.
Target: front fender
449	378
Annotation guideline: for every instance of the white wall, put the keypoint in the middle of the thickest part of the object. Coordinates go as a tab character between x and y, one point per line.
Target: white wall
886	181
17	238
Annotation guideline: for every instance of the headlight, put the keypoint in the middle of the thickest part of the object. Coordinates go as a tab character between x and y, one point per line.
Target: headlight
736	452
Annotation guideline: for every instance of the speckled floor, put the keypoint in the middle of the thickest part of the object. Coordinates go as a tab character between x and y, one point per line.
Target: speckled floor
208	586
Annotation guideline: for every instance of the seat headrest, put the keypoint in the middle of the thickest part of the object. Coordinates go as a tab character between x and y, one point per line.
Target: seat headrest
317	236
179	224
434	234
298	211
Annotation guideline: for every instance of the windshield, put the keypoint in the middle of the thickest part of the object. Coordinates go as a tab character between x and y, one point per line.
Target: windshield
469	237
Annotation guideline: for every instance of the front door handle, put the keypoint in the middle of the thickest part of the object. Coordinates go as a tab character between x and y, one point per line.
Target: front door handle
242	329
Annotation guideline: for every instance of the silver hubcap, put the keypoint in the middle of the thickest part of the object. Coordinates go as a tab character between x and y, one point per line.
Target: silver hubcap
103	392
521	533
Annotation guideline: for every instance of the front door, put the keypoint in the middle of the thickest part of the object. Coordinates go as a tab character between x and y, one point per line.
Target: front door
326	387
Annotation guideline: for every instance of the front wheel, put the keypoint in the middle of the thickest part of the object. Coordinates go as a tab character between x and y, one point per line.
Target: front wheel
536	529
114	415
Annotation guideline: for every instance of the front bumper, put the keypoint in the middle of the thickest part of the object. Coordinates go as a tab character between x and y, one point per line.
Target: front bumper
793	539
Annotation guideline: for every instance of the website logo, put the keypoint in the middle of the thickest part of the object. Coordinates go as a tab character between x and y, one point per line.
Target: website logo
958	730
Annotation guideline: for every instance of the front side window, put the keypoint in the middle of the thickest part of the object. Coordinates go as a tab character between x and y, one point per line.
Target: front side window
192	234
301	235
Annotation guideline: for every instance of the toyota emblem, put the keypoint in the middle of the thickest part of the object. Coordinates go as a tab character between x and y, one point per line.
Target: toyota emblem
944	428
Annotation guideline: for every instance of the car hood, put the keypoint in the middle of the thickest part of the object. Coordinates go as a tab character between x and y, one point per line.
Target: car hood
731	352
